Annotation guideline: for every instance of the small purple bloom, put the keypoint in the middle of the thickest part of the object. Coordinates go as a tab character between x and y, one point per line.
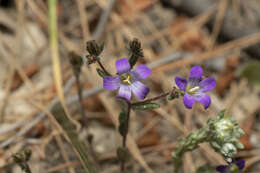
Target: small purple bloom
195	88
234	167
128	81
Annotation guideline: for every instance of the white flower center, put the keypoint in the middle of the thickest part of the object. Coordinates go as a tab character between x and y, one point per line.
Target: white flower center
193	90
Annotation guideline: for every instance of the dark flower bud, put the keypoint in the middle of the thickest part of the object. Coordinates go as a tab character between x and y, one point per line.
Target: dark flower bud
135	51
93	48
76	61
135	45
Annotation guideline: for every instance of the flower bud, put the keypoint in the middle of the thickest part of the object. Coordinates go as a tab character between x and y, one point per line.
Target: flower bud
76	61
135	51
93	48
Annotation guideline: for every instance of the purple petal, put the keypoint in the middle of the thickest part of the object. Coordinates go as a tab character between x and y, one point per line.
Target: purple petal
203	99
222	168
195	73
240	164
122	66
139	89
208	84
188	100
124	92
111	82
141	72
181	83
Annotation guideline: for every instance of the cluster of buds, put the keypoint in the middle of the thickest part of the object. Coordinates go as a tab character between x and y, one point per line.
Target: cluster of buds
221	132
224	135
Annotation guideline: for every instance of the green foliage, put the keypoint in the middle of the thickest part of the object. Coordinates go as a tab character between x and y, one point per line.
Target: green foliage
221	132
101	73
225	134
146	106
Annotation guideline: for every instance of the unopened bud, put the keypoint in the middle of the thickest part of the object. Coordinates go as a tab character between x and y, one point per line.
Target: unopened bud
93	48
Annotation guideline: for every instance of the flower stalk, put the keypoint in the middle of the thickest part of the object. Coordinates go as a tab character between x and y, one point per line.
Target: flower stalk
76	63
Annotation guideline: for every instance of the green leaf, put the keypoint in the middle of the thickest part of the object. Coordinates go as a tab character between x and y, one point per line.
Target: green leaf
221	113
252	73
101	73
122	117
146	106
101	46
122	123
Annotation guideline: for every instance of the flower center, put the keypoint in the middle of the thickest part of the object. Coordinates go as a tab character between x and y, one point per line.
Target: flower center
192	90
126	79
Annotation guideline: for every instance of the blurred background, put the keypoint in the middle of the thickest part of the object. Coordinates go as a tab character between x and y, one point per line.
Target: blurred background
222	36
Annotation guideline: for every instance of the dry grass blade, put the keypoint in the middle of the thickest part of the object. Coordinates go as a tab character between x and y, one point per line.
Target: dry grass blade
220	50
222	7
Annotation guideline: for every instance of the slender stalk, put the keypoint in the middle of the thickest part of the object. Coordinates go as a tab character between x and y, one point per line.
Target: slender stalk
151	99
103	68
125	135
82	110
127	122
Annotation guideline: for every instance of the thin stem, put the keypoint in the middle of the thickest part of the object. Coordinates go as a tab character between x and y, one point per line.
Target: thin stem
151	99
103	68
127	122
125	135
79	89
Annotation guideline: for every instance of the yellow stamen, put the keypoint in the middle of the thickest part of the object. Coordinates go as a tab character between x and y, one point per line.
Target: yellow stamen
126	79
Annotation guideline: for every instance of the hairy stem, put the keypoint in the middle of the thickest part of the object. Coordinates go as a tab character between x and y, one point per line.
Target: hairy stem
103	68
151	99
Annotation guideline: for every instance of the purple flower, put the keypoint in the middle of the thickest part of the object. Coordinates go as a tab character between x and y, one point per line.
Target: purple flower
234	167
128	81
195	88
